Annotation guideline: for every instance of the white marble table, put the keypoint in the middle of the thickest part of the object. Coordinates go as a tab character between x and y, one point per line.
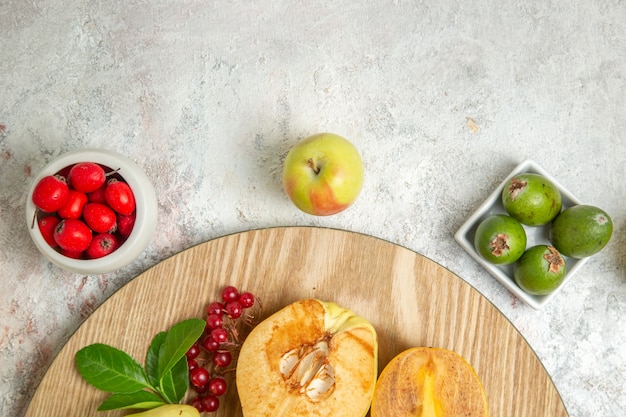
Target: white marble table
442	98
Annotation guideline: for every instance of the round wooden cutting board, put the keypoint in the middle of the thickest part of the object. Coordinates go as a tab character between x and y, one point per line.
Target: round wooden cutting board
410	300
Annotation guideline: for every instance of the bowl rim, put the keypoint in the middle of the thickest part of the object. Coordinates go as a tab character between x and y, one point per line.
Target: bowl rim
492	205
146	211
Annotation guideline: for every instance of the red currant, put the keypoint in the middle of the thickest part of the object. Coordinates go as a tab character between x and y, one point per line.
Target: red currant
230	293
197	403
50	193
199	377
194	351
234	309
222	359
218	386
220	335
86	177
246	299
210	344
202	390
214	321
191	364
215	308
210	403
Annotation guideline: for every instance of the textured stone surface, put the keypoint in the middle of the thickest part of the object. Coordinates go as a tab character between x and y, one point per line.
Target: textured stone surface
443	99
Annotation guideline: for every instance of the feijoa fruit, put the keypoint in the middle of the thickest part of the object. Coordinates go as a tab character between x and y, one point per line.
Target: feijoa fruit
540	270
532	199
581	231
500	239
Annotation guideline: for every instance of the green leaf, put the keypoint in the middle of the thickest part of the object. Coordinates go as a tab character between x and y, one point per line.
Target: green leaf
152	358
175	383
110	369
177	342
144	400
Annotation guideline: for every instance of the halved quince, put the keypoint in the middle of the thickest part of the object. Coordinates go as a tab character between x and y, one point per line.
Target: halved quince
429	382
311	358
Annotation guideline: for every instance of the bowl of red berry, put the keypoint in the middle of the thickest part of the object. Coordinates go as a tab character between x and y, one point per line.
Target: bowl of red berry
91	211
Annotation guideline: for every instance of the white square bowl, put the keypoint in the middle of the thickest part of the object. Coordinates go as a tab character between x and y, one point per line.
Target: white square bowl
535	236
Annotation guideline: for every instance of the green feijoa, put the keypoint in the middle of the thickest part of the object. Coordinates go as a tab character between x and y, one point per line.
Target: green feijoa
581	231
500	239
532	199
540	270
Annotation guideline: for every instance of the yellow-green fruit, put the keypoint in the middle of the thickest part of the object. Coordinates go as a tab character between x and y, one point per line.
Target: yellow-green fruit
581	231
323	174
170	410
311	358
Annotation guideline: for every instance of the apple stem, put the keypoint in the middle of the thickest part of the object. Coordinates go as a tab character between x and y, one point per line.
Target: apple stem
314	167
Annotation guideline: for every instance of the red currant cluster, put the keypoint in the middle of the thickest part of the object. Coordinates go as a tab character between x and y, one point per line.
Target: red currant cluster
85	210
213	357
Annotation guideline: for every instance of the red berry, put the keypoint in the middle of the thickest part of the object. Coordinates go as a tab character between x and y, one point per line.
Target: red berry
86	177
202	390
101	245
50	193
246	299
220	335
210	403
215	308
222	358
73	207
197	403
72	254
218	386
210	344
194	351
100	217
97	196
125	224
213	321
234	309
46	227
120	197
230	293
72	235
199	377
191	364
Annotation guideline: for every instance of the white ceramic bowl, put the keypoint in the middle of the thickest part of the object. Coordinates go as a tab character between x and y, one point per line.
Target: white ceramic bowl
146	212
535	236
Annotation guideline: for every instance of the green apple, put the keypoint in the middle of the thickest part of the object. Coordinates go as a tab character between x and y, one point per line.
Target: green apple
323	174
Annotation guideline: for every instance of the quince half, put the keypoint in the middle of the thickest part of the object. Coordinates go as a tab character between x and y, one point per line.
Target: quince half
311	358
429	382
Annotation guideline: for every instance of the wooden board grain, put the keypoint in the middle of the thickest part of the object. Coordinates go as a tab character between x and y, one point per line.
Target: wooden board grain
410	300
